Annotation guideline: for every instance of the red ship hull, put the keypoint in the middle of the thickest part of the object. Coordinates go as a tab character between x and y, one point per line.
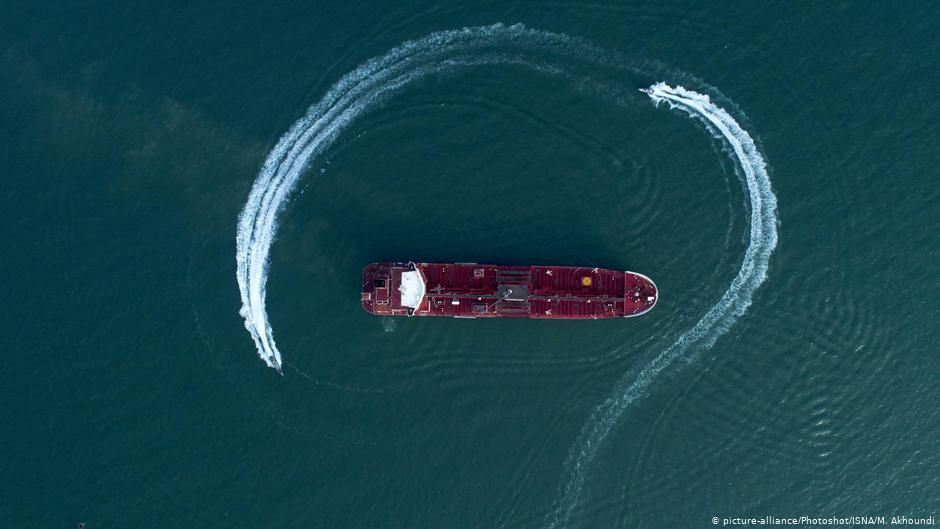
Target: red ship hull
470	290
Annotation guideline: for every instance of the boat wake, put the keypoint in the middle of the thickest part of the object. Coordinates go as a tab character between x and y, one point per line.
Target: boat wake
354	94
715	322
374	81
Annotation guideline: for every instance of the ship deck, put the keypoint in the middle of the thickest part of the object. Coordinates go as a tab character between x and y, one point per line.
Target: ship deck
472	290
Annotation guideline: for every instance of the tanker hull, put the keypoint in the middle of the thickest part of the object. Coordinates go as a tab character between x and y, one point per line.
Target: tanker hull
470	290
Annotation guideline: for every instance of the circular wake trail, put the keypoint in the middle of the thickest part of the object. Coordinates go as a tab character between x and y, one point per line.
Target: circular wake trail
350	97
374	81
354	94
715	322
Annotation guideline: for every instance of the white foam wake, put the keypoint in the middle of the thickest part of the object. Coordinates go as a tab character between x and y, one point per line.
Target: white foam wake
715	322
350	97
370	83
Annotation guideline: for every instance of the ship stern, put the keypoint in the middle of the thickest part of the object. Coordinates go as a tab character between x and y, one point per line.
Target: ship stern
374	296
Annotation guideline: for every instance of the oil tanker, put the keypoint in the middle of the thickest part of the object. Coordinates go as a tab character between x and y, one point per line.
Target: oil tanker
470	290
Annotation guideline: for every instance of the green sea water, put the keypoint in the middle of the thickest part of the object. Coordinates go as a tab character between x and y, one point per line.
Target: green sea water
134	397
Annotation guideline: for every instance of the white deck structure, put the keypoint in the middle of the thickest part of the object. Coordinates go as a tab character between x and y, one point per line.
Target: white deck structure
411	288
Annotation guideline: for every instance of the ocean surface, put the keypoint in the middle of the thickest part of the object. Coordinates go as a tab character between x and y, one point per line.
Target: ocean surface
172	175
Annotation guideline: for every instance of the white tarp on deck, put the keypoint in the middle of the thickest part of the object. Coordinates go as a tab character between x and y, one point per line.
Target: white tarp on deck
411	288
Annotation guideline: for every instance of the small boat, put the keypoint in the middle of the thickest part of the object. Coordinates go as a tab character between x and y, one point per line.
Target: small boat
470	290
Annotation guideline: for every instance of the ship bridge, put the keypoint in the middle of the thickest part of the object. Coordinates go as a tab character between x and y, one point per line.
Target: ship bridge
412	289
